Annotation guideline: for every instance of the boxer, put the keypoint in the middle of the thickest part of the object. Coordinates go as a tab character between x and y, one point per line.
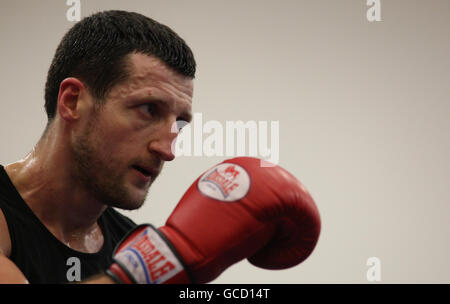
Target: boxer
117	84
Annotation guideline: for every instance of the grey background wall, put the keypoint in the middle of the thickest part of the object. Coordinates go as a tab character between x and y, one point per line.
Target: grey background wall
363	109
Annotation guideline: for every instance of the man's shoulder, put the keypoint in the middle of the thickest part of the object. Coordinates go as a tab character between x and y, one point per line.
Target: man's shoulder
7	189
3	183
12	205
5	239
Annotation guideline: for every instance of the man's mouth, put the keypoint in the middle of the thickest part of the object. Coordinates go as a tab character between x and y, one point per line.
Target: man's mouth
147	171
142	170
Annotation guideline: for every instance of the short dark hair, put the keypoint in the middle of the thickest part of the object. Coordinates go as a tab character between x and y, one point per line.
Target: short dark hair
94	50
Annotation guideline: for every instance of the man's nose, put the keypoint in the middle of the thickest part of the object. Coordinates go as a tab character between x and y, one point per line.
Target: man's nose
163	143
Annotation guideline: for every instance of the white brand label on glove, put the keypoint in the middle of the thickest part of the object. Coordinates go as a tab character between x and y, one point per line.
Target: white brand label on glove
149	258
226	182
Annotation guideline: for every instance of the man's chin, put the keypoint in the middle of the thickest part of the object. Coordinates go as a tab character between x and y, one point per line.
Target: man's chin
129	204
126	198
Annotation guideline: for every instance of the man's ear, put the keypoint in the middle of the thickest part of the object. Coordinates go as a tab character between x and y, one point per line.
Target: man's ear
69	103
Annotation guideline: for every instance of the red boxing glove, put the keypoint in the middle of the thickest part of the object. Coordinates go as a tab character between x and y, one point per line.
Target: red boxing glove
235	210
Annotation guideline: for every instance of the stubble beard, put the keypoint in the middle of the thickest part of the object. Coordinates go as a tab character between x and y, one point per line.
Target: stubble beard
99	177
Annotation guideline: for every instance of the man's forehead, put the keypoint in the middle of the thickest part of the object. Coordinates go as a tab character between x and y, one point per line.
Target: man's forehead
145	68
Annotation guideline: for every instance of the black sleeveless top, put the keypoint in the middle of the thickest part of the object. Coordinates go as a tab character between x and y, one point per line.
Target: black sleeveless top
40	256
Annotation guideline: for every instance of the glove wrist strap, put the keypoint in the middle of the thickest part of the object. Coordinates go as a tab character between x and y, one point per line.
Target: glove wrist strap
147	258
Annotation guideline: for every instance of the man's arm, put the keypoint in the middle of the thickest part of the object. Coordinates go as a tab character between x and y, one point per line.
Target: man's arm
9	272
99	279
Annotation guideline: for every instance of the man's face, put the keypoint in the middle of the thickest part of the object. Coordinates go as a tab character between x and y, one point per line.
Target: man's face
121	149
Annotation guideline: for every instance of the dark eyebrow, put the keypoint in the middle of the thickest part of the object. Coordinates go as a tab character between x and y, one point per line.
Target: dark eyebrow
184	115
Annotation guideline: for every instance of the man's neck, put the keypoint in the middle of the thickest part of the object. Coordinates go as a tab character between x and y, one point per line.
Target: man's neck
45	182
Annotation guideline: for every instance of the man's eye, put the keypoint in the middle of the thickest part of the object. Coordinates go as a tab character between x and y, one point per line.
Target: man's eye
149	109
181	124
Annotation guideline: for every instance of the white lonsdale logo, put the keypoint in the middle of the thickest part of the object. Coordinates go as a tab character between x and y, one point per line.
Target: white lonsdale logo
225	182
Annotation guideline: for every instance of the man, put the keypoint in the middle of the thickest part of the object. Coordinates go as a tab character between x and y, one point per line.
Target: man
117	83
118	87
